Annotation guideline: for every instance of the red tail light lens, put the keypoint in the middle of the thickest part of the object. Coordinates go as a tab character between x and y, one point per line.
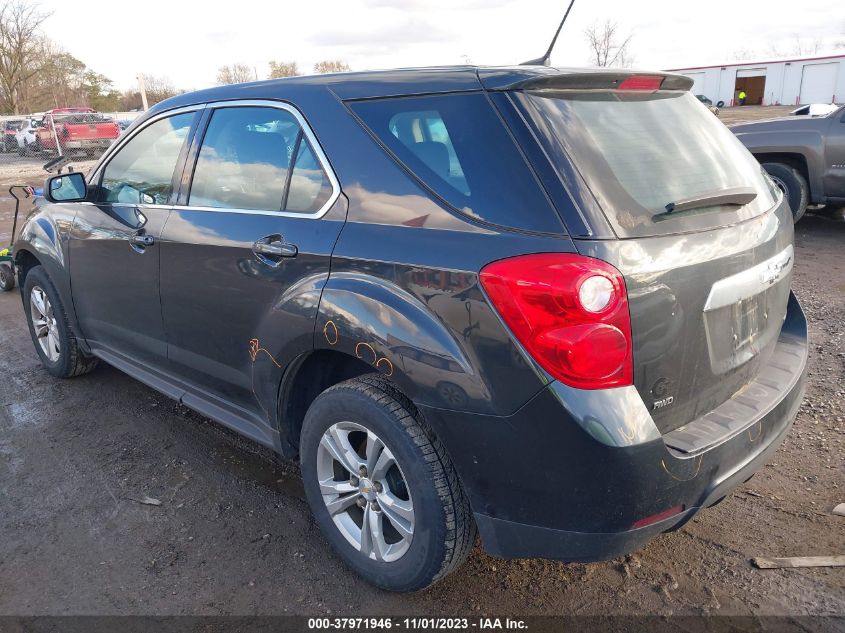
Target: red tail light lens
542	300
641	82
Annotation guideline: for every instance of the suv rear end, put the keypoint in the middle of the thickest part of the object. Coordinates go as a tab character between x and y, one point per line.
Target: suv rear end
669	349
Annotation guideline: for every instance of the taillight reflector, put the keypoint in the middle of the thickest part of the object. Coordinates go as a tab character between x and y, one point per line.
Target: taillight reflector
660	516
641	82
539	297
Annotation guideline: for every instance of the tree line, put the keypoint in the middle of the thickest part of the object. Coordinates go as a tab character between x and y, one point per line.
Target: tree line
241	73
36	74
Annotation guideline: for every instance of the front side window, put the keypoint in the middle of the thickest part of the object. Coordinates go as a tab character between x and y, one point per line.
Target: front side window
258	158
142	170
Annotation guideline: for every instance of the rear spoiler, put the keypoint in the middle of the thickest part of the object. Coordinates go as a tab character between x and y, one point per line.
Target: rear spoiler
544	78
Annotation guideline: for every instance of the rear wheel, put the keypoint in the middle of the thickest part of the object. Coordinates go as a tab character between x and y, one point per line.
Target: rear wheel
54	341
381	486
793	184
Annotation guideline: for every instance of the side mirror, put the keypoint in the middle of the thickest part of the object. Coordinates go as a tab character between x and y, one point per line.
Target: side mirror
66	188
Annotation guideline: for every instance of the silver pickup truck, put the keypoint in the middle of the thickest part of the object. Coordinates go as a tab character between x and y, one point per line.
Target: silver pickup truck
804	155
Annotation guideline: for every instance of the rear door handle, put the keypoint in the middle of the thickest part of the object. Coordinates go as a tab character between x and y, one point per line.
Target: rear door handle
274	247
142	240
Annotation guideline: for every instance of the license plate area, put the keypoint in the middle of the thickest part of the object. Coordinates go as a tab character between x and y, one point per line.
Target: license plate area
744	312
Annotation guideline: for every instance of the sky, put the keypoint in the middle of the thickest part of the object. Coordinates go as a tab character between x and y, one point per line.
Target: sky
188	41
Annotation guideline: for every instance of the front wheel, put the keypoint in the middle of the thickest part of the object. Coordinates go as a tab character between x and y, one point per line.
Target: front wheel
381	486
793	184
54	341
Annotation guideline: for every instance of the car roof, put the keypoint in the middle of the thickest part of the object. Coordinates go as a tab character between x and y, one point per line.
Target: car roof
405	81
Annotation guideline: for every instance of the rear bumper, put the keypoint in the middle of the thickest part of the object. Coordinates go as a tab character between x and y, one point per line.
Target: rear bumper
88	143
509	539
558	480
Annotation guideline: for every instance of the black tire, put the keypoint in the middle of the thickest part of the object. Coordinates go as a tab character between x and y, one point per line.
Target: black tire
7	277
794	186
71	360
720	104
444	530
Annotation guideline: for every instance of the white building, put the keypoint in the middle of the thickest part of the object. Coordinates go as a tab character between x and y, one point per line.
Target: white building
777	82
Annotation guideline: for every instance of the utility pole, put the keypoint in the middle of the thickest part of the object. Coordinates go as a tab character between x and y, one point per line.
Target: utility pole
143	89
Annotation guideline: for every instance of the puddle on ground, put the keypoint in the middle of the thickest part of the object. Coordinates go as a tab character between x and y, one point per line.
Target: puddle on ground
284	479
30	413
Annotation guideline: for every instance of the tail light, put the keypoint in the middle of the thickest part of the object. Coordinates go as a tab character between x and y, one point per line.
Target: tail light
570	312
641	82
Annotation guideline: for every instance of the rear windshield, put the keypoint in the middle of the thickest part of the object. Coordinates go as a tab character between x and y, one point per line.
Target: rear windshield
640	152
459	148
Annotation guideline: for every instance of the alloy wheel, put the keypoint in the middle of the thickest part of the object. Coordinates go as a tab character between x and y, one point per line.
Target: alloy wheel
780	184
44	324
365	492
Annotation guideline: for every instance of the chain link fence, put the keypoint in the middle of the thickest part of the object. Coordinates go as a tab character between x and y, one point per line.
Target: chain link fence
32	141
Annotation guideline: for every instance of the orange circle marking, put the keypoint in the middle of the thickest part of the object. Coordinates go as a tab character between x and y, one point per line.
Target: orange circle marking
369	347
389	371
331	333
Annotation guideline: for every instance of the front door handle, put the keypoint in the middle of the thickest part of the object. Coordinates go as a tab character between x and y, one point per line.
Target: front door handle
274	247
143	240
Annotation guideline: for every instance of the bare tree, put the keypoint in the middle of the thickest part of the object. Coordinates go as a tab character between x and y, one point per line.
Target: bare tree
607	46
235	74
332	66
283	69
744	55
158	88
20	48
799	48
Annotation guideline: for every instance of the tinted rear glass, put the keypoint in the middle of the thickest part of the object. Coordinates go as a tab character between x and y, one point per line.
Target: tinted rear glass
640	152
458	147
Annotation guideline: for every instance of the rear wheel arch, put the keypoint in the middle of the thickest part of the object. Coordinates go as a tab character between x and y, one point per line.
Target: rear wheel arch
305	379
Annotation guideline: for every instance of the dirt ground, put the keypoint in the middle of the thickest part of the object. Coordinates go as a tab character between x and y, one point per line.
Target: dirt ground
233	534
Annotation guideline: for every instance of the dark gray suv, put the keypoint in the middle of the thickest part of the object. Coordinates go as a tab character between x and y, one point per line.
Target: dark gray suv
553	305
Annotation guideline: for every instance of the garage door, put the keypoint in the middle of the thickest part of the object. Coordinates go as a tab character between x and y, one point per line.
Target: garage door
698	83
818	82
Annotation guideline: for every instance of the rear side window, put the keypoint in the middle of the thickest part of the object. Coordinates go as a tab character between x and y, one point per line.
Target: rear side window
639	152
309	185
258	158
459	148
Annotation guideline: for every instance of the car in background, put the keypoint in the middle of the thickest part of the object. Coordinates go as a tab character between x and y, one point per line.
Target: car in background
10	129
706	101
815	109
27	134
459	295
803	155
76	131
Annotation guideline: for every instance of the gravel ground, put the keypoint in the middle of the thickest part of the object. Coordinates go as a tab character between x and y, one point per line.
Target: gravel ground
233	534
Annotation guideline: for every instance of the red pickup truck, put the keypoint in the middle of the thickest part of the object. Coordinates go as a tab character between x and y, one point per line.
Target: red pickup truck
76	130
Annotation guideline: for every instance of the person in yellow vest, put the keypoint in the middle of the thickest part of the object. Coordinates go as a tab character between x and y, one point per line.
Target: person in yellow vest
742	97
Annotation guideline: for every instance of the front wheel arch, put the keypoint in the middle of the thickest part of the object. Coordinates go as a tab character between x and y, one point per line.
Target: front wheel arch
24	262
793	184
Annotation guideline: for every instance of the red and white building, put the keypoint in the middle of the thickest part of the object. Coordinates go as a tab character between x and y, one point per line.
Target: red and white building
774	82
